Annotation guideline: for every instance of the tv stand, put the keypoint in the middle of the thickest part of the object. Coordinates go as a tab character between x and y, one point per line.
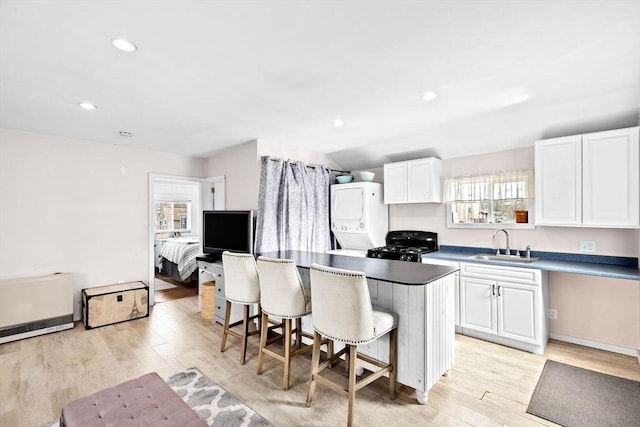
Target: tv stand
209	270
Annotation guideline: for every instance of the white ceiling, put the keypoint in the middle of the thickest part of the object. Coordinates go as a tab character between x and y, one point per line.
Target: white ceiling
211	74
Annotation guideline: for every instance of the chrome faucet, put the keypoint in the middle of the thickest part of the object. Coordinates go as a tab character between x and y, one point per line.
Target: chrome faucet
507	250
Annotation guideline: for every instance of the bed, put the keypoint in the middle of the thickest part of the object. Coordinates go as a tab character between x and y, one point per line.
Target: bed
178	258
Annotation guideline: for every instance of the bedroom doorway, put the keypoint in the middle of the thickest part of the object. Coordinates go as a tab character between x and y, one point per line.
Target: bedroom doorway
175	216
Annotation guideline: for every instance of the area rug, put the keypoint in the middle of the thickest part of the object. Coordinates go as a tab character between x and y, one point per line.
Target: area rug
211	402
577	397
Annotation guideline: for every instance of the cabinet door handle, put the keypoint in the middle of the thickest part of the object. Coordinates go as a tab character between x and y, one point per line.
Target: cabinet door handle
493	290
499	290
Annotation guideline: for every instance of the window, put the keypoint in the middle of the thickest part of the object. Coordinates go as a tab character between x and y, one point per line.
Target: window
488	199
173	216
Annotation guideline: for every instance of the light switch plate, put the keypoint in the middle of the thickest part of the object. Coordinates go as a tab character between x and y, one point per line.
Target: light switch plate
587	246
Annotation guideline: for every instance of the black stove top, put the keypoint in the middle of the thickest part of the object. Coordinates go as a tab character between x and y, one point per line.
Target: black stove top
406	245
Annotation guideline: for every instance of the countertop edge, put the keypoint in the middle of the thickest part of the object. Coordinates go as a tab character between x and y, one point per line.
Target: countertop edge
584	268
391	271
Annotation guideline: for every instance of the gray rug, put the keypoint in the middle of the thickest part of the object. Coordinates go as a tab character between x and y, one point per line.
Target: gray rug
211	402
577	397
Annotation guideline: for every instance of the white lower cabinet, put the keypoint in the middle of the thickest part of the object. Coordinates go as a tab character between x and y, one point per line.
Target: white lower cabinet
478	305
507	305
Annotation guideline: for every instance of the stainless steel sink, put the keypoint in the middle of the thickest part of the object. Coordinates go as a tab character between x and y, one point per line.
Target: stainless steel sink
508	258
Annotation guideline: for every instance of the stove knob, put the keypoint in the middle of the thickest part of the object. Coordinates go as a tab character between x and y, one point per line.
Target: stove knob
380	255
403	257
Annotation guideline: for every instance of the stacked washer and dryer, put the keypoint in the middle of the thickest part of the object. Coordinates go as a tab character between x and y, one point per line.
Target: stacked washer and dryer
359	217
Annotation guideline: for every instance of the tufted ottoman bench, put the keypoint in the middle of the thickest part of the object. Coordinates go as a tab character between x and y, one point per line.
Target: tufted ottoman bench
144	401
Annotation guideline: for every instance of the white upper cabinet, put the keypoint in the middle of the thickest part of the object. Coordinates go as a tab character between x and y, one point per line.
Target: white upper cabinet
590	180
413	181
395	183
559	181
611	179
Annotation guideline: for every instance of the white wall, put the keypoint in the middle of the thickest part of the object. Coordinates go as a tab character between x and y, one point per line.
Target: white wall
596	309
78	206
239	165
288	152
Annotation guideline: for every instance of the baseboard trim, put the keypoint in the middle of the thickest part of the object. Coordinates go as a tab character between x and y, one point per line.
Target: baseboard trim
601	346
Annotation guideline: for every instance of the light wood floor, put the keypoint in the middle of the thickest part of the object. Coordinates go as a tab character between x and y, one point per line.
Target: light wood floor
489	385
180	291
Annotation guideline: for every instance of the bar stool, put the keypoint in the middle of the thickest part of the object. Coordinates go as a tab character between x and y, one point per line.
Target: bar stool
241	286
283	297
342	311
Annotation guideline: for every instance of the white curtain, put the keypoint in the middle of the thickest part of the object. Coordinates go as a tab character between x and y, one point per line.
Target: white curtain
514	184
293	207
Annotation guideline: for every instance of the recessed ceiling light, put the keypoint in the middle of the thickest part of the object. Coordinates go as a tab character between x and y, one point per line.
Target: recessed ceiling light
338	123
87	105
429	96
124	45
126	133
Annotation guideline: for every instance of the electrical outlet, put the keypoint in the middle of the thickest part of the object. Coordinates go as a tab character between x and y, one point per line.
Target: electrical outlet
553	313
587	245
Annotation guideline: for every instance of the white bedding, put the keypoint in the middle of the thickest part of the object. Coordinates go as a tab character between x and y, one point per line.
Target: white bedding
183	254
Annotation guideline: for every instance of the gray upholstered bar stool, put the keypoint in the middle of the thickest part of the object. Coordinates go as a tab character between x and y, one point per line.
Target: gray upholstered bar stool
342	311
283	297
241	286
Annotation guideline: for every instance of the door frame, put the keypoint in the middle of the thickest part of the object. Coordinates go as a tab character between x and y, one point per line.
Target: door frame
218	184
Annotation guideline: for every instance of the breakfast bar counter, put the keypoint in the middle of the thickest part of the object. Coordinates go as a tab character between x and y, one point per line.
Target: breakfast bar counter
423	298
402	272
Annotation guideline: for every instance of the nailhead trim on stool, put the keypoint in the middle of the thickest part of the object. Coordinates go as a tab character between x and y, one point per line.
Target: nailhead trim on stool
146	400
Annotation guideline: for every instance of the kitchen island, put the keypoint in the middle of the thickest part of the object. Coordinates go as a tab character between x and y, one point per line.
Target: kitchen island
423	297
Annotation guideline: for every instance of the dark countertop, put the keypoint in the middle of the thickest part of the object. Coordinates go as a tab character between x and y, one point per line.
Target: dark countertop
403	272
591	265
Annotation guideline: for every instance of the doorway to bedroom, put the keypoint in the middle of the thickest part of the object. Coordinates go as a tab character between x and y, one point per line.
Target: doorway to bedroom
175	217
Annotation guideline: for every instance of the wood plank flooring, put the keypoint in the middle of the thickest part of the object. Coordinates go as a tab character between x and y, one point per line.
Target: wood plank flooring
180	291
489	385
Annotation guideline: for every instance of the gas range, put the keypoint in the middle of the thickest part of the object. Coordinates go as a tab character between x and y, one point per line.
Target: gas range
406	245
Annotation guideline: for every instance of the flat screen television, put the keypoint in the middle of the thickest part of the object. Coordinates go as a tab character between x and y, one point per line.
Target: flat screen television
227	231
